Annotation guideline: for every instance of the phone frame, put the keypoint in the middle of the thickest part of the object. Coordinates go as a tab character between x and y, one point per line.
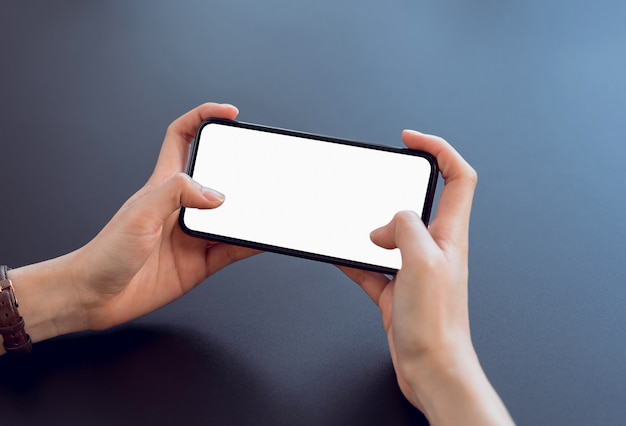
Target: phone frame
425	214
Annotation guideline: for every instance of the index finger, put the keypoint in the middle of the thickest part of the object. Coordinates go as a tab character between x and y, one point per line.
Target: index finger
175	149
451	223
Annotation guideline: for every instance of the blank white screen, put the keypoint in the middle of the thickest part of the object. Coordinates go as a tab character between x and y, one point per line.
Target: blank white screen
303	194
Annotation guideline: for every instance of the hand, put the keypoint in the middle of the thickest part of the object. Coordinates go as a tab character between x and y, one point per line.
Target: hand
141	260
425	306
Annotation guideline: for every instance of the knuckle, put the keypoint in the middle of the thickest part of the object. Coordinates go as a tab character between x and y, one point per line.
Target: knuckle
179	179
177	184
432	261
172	128
406	218
472	175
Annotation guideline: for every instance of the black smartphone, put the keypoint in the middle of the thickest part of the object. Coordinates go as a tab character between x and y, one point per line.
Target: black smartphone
305	195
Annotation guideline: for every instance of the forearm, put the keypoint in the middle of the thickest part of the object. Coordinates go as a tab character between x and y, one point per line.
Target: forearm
48	300
457	391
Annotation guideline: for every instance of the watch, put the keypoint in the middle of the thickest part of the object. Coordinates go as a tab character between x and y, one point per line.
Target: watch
16	340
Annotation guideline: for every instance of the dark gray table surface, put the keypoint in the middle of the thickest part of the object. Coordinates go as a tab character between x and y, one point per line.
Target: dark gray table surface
532	93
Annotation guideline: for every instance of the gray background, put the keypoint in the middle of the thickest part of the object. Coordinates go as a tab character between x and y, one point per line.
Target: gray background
532	93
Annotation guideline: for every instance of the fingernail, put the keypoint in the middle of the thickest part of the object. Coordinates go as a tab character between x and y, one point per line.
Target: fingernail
376	231
212	194
231	106
414	132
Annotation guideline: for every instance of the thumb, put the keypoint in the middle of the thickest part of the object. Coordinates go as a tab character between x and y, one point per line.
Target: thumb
180	191
407	232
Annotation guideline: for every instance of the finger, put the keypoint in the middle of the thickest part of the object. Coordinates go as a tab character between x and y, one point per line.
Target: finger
221	255
175	149
179	190
407	232
372	283
455	203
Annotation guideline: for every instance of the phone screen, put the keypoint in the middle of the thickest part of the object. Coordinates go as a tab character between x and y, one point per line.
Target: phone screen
305	195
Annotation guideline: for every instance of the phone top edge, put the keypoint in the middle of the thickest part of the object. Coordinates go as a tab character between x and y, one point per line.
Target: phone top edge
315	136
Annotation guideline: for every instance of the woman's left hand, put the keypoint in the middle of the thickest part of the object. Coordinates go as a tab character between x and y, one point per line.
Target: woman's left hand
141	260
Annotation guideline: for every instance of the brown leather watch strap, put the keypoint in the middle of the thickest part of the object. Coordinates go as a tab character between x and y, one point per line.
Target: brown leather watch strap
16	340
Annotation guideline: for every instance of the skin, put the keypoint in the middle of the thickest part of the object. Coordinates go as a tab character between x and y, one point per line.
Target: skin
141	261
425	306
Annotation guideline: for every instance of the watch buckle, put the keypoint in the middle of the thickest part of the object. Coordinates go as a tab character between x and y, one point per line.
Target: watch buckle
7	284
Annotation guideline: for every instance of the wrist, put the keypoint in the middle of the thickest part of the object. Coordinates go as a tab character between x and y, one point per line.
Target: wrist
452	388
437	368
48	300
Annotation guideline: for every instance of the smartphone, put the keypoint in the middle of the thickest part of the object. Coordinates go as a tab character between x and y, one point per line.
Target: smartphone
305	195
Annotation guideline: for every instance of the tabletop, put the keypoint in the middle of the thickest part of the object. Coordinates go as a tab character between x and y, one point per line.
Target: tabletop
531	93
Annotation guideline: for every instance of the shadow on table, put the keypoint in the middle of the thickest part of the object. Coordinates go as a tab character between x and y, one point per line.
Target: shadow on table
170	375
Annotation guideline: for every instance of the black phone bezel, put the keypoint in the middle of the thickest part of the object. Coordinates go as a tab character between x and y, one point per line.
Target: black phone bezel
425	214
